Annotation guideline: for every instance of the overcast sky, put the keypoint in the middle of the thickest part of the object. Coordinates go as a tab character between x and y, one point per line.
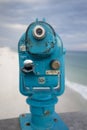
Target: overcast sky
68	17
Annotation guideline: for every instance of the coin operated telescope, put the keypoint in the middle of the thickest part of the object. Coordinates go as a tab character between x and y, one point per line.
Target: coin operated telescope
42	78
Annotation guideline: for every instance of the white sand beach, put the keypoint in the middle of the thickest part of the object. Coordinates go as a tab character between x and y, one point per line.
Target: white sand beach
12	103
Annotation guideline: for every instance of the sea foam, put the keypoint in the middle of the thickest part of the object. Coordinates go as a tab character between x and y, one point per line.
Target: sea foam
81	89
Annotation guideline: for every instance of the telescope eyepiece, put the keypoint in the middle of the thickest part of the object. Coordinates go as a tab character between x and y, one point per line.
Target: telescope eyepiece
39	32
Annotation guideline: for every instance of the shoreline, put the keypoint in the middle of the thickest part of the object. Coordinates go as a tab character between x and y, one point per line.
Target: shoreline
71	101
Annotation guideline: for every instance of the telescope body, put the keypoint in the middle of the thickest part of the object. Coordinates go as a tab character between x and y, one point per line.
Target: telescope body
41	76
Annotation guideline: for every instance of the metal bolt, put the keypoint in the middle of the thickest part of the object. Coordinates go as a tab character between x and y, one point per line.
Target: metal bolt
47	112
55	119
28	124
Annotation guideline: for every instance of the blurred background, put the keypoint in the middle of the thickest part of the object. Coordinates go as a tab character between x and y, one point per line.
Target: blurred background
69	19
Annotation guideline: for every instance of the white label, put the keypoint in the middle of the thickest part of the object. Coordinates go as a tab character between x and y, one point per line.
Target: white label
52	72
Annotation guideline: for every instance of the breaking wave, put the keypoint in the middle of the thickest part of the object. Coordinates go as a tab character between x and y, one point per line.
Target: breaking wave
81	89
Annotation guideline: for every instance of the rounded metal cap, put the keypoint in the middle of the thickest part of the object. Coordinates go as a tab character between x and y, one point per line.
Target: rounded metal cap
55	64
28	62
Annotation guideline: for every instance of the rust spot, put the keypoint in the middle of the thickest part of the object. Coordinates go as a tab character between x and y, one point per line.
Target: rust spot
23	115
55	119
47	112
47	51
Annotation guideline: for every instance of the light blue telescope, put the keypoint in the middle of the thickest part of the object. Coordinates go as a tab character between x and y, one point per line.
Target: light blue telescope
42	76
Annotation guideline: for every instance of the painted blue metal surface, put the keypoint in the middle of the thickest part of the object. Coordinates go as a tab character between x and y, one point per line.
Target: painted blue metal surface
41	81
56	123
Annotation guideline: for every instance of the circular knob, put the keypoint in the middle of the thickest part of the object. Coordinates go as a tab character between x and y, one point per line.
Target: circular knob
28	66
39	32
55	64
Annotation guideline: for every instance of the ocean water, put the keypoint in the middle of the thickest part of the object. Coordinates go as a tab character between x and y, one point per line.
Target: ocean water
76	71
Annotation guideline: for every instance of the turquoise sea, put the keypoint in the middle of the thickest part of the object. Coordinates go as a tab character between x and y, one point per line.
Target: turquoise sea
76	71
